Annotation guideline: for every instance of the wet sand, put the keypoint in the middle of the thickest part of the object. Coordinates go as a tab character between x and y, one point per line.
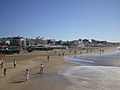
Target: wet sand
15	79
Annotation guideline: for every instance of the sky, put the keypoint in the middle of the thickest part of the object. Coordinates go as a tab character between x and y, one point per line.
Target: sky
61	19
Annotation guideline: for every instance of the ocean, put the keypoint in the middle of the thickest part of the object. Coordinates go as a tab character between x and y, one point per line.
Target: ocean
93	71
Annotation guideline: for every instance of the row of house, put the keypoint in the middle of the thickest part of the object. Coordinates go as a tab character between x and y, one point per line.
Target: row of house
22	42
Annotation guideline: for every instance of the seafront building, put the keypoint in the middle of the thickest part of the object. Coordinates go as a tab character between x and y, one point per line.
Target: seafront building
38	40
23	42
13	41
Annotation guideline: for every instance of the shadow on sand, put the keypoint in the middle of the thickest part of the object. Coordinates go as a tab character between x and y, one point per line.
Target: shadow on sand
21	81
9	67
36	73
2	77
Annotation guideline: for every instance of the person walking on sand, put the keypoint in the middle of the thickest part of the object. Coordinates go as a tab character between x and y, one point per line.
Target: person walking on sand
63	54
41	68
100	50
27	74
69	51
1	62
103	50
14	63
48	58
5	74
3	54
75	52
59	54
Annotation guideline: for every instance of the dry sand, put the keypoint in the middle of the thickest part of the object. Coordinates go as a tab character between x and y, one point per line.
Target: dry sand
15	79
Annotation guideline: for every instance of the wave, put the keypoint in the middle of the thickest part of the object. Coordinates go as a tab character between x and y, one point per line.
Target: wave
93	77
95	71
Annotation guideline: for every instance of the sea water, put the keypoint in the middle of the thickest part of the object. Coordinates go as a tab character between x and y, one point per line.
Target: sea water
93	72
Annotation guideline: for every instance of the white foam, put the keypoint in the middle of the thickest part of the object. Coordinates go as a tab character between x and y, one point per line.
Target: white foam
80	60
99	77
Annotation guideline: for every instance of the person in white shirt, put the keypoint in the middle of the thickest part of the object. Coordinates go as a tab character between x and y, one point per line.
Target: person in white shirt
1	62
41	68
27	74
14	63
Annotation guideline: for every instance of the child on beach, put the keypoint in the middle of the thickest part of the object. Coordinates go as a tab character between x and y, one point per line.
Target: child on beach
5	72
103	51
14	63
41	68
48	58
75	52
27	74
59	54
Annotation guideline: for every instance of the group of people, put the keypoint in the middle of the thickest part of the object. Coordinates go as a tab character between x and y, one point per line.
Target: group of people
101	50
2	63
27	72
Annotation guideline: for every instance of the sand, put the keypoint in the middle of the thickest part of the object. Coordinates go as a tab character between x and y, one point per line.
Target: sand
15	79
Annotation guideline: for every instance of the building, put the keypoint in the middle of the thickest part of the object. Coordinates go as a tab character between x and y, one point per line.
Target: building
85	41
60	42
13	41
100	43
51	42
75	42
30	42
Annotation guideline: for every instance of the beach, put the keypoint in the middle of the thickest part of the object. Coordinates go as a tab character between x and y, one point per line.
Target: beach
51	80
